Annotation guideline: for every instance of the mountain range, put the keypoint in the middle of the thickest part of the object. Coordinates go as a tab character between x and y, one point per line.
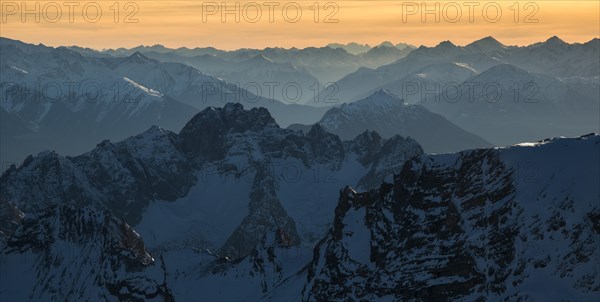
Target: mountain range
488	88
388	115
507	104
59	99
327	64
148	217
68	98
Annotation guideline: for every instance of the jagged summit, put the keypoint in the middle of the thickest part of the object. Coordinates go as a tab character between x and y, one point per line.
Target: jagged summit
205	133
159	165
445	45
369	136
232	117
380	100
443	49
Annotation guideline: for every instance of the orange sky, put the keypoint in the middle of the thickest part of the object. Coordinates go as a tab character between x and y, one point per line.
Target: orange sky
180	23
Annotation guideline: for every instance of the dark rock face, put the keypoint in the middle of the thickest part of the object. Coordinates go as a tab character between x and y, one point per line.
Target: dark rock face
367	145
205	133
83	253
10	218
456	228
266	215
79	226
389	159
326	147
122	177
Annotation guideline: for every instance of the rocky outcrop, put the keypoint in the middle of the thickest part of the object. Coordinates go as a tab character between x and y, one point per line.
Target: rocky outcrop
471	226
69	253
266	216
10	218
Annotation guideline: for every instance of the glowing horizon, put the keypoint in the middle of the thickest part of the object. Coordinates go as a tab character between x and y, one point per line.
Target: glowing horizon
190	24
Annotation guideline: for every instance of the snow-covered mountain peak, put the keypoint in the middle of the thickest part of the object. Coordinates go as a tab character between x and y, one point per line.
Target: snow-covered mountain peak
380	101
155	136
157	131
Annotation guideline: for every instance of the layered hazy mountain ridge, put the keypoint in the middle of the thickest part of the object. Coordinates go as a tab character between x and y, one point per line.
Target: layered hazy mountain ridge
484	84
388	115
553	57
53	94
517	104
57	98
326	64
